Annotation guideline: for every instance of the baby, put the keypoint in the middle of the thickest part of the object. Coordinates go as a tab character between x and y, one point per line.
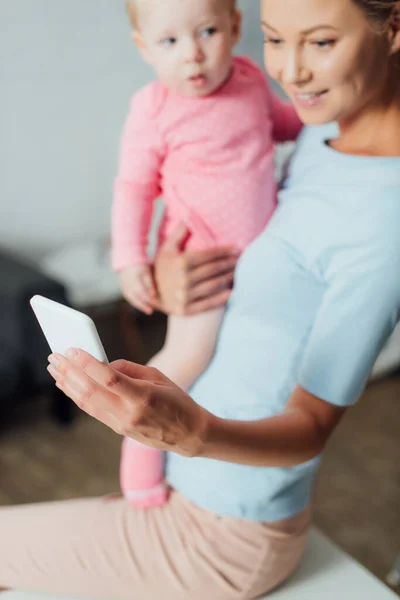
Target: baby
202	137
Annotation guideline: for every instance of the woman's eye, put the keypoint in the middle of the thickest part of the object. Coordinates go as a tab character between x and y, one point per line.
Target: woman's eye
209	31
324	43
169	41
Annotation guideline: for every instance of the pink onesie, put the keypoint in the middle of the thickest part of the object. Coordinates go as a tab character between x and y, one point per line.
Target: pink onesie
210	158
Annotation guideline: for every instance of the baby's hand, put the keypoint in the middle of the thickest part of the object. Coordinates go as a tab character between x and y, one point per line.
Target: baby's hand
138	287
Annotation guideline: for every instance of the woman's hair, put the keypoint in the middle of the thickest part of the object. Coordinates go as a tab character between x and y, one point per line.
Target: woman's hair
378	11
380	14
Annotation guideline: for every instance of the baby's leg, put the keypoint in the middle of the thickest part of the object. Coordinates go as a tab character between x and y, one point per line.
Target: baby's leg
188	349
141	475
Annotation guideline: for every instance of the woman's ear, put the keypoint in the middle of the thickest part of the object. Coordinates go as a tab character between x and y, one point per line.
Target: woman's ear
140	43
394	28
236	26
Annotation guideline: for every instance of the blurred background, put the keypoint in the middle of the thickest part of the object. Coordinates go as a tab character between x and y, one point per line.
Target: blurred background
67	72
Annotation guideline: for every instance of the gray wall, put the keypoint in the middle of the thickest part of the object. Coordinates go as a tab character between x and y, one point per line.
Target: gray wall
67	71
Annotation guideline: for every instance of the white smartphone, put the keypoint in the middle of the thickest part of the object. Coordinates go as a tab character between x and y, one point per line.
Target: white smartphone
65	327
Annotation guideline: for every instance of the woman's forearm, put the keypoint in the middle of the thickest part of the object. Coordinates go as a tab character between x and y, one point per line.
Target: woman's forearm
282	441
291	438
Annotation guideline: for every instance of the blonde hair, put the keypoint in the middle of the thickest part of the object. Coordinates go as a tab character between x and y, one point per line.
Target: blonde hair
132	9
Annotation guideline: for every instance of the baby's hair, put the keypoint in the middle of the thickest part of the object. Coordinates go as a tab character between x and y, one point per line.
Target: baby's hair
132	9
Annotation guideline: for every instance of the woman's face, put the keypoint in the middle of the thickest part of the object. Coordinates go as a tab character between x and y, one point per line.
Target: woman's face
327	57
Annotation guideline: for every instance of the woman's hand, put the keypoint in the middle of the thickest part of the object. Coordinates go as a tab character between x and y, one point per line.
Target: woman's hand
143	404
133	400
193	282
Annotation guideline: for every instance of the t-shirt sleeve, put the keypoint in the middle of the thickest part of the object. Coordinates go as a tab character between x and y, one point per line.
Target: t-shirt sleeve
358	313
138	181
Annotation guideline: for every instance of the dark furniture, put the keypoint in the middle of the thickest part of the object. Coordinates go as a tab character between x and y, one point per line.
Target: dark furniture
23	348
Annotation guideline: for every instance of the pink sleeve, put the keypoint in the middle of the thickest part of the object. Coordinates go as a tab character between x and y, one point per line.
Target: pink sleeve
286	123
138	181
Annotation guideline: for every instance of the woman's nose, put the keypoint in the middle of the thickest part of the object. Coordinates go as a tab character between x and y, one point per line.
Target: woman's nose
294	71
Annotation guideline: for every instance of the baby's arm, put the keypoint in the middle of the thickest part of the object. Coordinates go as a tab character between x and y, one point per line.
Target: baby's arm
138	181
189	347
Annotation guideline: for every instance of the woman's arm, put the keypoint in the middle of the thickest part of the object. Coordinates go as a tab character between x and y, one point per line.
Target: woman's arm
143	404
293	437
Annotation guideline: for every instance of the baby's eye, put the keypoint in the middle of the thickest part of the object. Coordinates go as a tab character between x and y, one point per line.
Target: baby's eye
171	41
272	41
209	31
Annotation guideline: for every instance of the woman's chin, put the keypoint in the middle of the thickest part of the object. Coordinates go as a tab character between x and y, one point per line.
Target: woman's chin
315	117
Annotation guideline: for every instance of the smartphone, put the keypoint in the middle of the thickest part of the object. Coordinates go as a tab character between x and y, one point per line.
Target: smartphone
65	327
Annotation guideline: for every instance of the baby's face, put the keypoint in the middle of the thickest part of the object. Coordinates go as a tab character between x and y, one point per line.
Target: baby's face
188	43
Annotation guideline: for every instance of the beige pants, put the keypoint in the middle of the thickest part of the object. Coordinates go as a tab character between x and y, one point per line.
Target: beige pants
104	548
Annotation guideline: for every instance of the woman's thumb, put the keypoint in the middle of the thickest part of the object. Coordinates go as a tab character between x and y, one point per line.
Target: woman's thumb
176	241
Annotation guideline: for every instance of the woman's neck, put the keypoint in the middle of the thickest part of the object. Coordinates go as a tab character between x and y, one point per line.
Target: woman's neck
374	131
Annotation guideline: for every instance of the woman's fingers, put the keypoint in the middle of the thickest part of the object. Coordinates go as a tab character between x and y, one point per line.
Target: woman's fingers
135	371
211	270
98	389
203	257
82	391
78	363
206	304
206	296
117	377
210	288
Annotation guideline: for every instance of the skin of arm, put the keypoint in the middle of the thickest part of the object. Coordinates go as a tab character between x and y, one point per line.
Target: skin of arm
142	403
297	435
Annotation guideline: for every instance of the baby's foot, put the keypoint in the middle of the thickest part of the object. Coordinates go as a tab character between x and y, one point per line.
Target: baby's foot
155	497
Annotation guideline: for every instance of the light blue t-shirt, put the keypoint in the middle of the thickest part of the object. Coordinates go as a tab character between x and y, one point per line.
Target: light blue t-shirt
316	296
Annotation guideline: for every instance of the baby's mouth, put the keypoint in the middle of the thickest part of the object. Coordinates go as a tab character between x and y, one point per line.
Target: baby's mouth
198	80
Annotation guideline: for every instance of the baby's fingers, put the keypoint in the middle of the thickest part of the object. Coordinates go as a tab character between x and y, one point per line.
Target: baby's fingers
139	298
143	303
148	284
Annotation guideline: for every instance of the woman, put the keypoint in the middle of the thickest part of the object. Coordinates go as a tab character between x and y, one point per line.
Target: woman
315	298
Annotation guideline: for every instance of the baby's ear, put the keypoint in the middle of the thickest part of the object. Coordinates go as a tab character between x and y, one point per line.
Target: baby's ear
236	26
140	43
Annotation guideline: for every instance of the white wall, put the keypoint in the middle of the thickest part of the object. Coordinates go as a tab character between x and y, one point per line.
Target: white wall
67	71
